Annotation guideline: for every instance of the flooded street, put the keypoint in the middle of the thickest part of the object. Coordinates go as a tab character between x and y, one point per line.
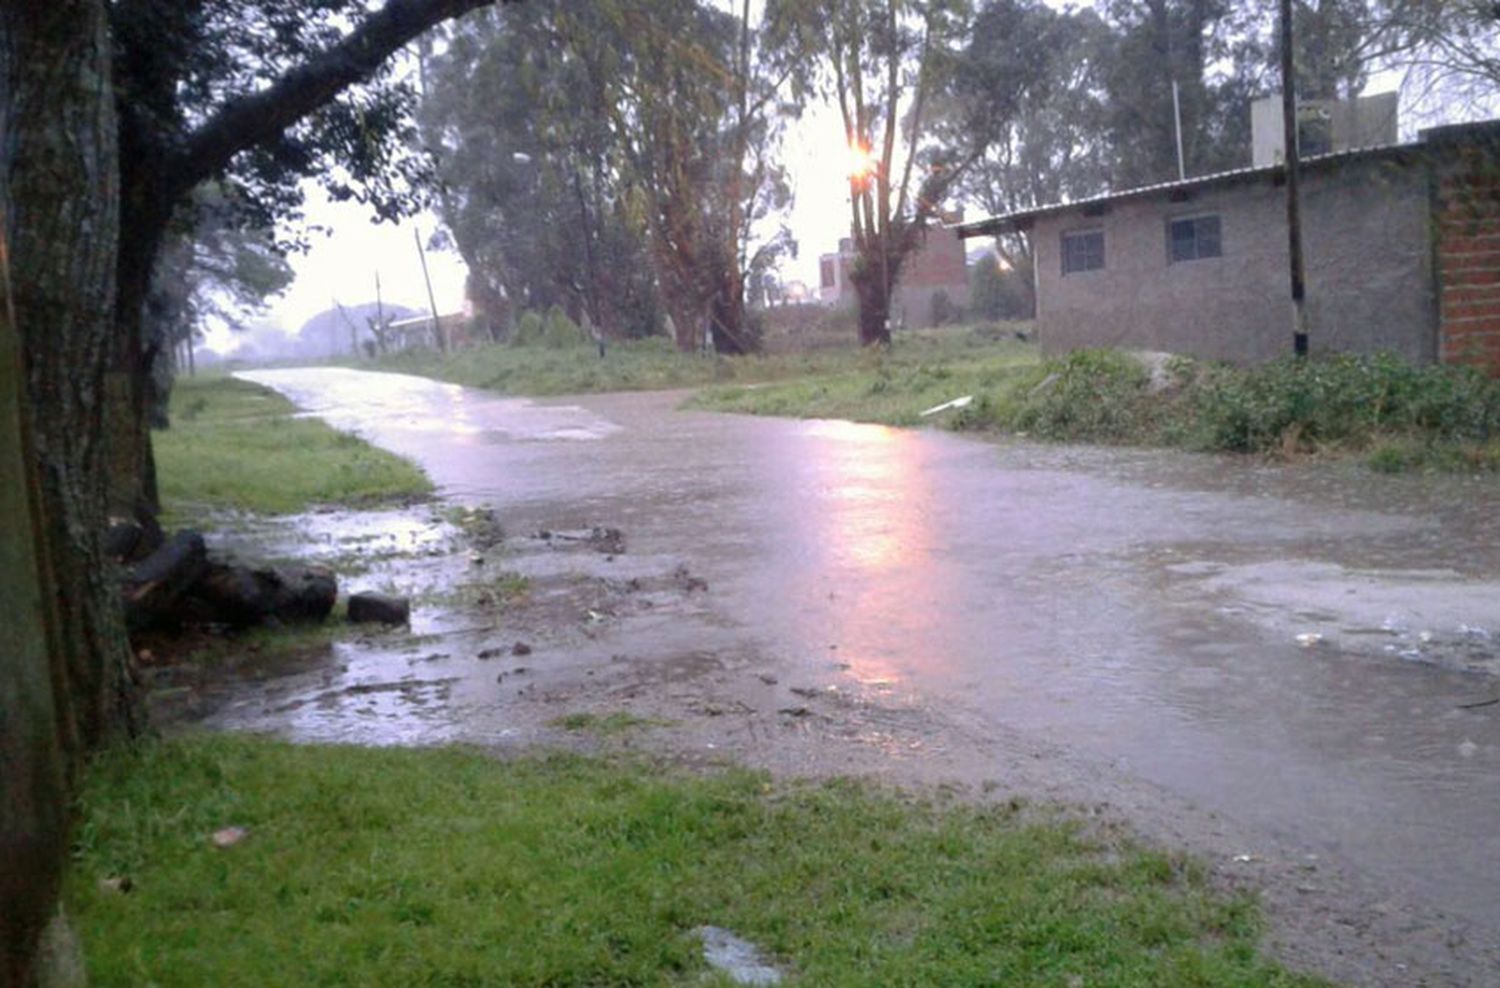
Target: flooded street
1307	652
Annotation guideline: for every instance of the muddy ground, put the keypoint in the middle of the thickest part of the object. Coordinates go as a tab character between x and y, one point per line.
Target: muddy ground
1284	670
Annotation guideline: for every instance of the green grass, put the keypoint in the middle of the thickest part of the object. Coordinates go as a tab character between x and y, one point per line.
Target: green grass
446	867
236	445
891	388
654	365
487	590
1399	416
605	725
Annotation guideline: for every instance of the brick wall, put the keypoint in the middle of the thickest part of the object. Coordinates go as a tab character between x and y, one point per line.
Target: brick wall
1468	258
939	263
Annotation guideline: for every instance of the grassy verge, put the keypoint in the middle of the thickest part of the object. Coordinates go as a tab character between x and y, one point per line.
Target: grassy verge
444	867
654	365
1400	417
234	444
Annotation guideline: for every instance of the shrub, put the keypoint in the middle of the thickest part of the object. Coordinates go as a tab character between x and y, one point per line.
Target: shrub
530	329
943	309
562	333
1341	400
1089	395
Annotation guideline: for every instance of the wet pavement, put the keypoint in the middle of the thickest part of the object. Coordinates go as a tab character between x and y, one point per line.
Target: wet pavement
1305	650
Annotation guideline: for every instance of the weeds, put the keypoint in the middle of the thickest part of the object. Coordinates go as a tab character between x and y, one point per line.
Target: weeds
1403	416
654	365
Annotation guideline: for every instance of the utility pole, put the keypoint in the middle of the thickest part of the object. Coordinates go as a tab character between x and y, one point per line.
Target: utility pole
353	329
1177	129
437	326
379	315
1293	206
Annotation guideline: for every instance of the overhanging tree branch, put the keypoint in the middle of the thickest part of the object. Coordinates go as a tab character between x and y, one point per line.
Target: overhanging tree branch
262	117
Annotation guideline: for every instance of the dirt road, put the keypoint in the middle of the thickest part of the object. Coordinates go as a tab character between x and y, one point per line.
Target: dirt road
1283	668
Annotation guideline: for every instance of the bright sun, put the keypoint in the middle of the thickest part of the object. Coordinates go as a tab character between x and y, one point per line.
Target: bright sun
861	162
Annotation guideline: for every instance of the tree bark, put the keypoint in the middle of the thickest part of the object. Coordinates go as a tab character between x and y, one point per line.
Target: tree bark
727	315
874	311
65	681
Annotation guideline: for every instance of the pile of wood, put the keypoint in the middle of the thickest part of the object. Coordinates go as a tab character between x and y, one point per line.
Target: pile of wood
170	582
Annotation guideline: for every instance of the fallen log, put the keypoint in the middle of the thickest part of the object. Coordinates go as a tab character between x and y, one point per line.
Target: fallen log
379	608
155	587
242	596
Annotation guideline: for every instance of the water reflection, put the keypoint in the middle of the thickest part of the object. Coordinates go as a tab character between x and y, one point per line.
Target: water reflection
871	536
404	413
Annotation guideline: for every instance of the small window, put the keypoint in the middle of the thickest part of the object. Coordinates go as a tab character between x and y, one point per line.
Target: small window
1193	238
1082	251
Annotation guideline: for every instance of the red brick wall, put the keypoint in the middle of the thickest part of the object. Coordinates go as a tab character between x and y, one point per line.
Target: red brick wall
1468	245
938	263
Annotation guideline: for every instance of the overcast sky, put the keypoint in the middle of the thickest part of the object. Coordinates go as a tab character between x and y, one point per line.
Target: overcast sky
343	264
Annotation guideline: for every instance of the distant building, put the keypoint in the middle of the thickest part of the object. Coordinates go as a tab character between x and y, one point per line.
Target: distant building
1401	242
937	266
417	331
795	293
1323	126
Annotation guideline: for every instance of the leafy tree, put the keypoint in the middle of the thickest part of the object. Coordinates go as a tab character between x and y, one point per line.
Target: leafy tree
686	90
97	152
1333	40
1202	46
893	67
257	96
1054	147
531	194
999	293
1448	49
612	158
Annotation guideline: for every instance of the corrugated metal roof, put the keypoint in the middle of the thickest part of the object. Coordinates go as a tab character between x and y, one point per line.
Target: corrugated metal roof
1009	222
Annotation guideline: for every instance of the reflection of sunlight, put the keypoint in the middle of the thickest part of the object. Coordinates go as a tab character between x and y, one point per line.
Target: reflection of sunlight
870	483
874	520
854	432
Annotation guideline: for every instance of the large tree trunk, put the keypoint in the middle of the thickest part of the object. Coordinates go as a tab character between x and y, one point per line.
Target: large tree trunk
129	385
685	331
874	313
873	292
65	681
727	313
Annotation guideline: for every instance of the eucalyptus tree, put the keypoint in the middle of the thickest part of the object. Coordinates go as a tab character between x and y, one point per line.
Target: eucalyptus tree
618	158
532	193
1053	147
693	97
894	69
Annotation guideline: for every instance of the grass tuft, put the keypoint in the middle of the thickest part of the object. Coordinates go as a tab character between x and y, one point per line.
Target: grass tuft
604	725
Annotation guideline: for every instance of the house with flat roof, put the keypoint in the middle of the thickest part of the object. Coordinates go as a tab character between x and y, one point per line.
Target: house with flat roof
1401	246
